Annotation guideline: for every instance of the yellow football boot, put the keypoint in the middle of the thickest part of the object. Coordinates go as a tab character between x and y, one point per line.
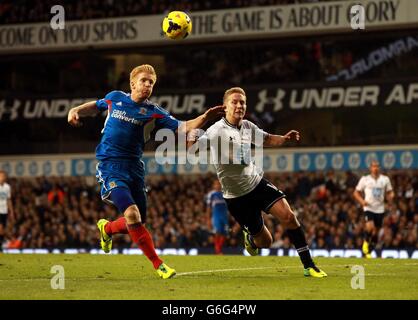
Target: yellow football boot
165	272
314	272
250	249
105	239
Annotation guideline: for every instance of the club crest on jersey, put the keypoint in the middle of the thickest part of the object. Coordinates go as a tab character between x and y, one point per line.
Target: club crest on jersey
142	111
112	184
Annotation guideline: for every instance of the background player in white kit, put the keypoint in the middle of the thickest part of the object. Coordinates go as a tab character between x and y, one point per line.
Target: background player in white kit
376	188
245	190
6	207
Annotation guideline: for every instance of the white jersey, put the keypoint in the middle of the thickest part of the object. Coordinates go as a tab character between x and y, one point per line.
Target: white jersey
5	195
374	192
230	149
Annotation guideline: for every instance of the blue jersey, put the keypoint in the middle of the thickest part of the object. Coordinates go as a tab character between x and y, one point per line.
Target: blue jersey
128	126
216	202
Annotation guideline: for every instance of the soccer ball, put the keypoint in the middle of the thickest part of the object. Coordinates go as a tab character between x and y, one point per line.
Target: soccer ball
177	25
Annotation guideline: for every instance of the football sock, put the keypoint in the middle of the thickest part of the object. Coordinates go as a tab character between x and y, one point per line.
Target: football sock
373	242
368	236
297	237
117	226
140	235
217	244
221	243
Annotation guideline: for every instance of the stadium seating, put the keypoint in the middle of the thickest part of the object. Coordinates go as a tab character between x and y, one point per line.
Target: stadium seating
62	212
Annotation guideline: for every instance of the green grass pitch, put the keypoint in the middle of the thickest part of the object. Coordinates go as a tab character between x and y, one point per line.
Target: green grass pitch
124	277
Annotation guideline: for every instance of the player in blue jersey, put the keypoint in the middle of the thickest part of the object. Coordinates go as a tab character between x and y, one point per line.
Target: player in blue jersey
130	119
217	213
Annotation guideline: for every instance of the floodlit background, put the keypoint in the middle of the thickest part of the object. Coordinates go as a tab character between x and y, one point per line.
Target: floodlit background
353	95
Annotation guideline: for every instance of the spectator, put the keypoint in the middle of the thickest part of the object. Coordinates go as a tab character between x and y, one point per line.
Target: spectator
62	212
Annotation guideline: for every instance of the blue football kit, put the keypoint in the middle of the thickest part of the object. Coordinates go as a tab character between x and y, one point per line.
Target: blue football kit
215	201
128	126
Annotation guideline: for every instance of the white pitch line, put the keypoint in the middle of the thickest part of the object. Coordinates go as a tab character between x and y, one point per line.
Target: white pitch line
222	270
237	269
280	267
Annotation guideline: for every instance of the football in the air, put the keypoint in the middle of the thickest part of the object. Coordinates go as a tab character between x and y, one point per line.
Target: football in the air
177	25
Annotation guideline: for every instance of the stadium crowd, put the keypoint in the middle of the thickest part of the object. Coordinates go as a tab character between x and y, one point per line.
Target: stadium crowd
62	212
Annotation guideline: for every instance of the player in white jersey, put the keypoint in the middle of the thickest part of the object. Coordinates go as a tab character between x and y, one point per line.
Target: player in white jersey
245	190
376	187
6	207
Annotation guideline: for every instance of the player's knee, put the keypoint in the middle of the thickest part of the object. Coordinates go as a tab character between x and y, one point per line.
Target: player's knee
132	215
289	220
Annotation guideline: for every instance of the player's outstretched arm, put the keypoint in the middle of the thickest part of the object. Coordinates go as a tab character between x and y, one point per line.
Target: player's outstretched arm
84	110
273	140
197	123
192	137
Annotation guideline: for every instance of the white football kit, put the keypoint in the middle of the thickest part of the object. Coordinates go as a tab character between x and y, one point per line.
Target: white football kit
230	149
374	192
5	195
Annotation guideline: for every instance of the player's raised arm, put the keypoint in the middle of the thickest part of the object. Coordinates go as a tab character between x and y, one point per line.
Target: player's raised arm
273	140
85	110
198	122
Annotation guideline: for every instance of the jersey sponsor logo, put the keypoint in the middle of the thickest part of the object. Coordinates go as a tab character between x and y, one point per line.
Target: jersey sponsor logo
216	202
121	115
377	193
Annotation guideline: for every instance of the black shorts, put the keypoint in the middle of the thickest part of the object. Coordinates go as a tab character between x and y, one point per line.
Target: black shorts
247	209
377	218
3	220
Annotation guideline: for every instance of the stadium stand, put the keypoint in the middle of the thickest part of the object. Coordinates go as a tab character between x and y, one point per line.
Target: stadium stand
62	212
264	63
24	11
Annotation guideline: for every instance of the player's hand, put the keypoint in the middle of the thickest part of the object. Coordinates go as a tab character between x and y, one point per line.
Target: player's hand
291	134
215	113
74	118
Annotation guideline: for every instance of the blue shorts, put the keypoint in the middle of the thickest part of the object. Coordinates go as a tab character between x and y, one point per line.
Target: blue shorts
220	224
126	177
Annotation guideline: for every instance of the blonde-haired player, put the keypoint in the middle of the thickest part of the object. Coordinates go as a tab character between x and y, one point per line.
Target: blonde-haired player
245	190
130	119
